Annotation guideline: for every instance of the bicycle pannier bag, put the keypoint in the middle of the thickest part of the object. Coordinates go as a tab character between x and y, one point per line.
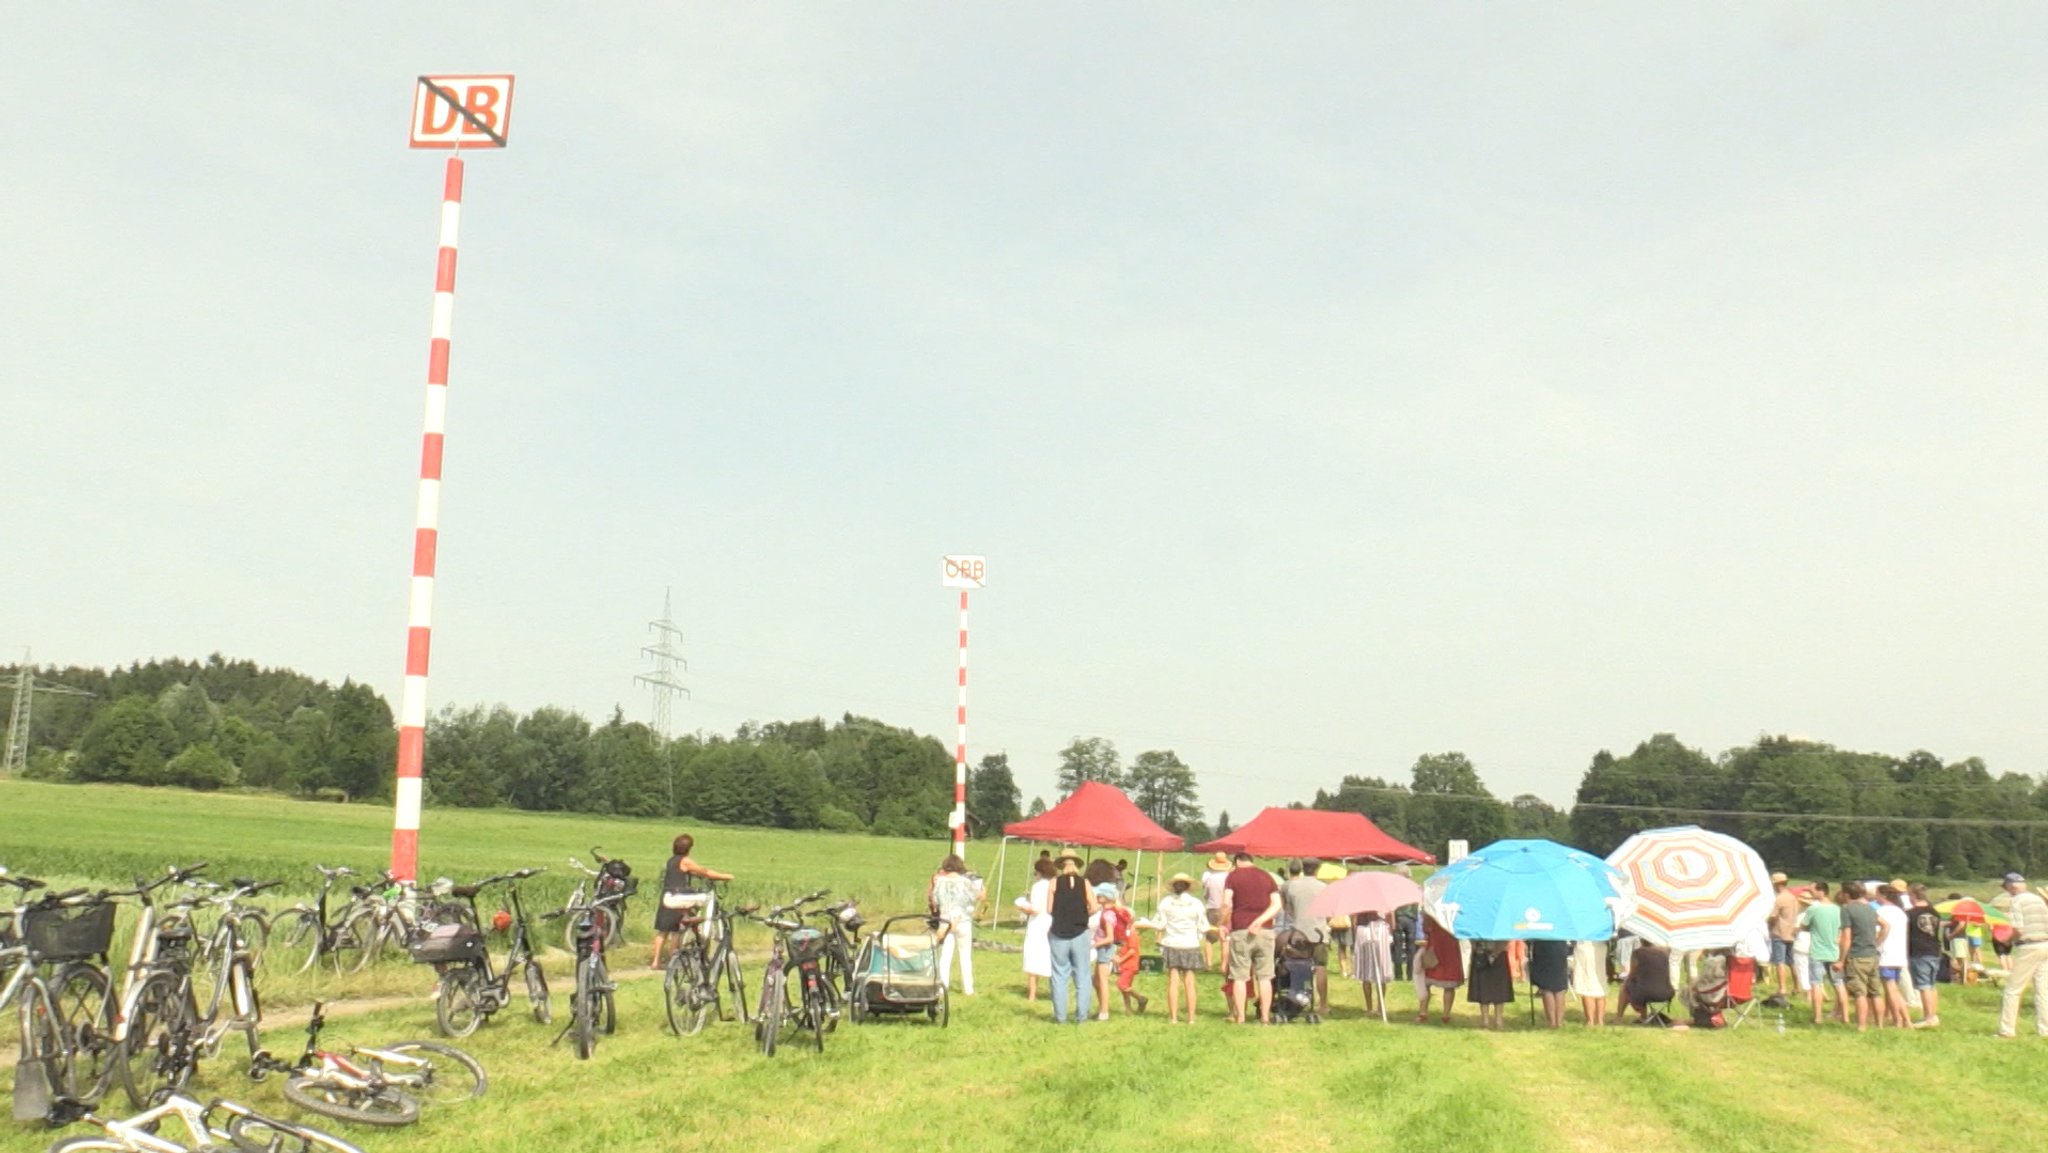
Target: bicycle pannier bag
448	943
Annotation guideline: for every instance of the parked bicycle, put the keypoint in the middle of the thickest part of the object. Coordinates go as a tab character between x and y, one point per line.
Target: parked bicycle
808	1001
611	883
163	1033
216	1127
372	1086
228	902
841	923
330	938
704	970
469	992
56	1054
591	1006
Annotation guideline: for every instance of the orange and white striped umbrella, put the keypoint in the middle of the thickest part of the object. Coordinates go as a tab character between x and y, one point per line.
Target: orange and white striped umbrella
1694	889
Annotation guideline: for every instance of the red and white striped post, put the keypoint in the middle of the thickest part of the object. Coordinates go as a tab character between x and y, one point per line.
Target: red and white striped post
454	112
960	744
412	709
963	573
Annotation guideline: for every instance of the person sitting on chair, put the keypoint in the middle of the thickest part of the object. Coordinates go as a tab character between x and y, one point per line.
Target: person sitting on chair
1648	983
1707	996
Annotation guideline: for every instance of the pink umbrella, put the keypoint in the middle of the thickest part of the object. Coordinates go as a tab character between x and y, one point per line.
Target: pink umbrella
1365	892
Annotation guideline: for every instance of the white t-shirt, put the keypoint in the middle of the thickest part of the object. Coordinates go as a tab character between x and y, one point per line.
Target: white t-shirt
1181	921
1891	952
1212	889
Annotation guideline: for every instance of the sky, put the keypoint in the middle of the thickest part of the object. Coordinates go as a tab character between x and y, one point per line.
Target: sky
1326	384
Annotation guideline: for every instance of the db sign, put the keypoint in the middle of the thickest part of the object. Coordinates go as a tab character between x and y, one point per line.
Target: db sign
964	572
462	111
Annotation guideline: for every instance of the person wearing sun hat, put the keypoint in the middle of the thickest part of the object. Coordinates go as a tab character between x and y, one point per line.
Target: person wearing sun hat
2029	913
1213	876
1182	931
1784	920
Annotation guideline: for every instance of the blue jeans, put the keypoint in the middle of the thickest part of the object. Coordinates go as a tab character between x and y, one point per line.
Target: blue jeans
1070	959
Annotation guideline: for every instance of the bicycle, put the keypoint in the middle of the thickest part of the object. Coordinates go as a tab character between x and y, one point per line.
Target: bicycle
590	998
614	883
373	1086
52	929
332	940
163	1033
469	992
701	963
251	922
241	1130
842	923
814	1003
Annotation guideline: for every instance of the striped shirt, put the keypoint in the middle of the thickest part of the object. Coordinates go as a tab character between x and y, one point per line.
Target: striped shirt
2029	915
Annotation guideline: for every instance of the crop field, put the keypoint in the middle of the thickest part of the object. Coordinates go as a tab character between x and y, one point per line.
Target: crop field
1001	1076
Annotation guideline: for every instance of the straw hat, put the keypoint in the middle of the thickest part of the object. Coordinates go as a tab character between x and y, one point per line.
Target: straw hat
1219	862
1180	879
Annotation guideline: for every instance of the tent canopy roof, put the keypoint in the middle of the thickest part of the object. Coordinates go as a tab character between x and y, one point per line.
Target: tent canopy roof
1315	833
1098	815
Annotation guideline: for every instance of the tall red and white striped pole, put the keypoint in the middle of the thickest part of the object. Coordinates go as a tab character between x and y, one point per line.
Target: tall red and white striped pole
960	744
412	709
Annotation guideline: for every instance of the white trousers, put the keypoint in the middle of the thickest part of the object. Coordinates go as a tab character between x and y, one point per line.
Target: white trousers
961	935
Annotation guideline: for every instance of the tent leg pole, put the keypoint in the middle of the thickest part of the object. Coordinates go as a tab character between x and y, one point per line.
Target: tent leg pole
995	902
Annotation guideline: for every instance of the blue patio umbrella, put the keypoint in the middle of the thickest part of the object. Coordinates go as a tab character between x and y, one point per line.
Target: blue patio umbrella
1528	890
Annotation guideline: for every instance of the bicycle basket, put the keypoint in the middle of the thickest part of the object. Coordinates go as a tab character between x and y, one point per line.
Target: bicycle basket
448	943
806	945
68	933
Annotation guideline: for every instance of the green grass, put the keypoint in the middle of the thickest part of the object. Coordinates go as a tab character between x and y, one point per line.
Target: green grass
1002	1077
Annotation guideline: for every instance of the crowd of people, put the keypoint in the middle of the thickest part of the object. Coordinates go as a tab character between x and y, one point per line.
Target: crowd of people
1871	955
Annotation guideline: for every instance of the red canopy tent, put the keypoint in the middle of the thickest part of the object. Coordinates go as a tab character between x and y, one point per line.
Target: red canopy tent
1315	833
1096	815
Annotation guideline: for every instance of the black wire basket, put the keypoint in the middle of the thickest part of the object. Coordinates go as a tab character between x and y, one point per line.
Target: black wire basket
69	933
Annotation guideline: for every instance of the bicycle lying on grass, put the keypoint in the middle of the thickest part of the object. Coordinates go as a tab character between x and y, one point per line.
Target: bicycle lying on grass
373	1086
217	1127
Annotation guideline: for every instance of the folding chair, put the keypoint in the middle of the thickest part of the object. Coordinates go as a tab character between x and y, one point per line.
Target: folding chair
1741	991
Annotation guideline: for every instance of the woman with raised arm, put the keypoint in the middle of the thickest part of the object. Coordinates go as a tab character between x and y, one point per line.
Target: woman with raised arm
685	893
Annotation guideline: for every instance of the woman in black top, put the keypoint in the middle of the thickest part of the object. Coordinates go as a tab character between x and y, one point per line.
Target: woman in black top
1070	905
682	880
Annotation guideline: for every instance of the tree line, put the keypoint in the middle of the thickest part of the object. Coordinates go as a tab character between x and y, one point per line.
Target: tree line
1809	808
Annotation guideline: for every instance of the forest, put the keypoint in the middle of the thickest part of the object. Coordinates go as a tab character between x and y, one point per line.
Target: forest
1808	807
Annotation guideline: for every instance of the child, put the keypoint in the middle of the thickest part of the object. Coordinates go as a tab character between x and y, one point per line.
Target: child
1116	949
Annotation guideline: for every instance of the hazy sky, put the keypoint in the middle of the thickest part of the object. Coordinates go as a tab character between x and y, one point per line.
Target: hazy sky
1326	384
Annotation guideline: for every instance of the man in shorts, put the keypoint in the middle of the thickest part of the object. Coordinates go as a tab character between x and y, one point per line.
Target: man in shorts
1859	968
1822	921
1297	895
1785	912
1251	900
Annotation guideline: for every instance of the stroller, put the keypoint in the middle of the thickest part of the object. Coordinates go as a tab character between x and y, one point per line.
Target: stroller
1294	978
897	972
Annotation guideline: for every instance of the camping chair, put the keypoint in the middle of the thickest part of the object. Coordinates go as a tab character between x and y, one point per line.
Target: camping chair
1741	990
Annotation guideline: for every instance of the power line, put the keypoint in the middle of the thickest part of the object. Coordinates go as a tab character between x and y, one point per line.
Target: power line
1846	818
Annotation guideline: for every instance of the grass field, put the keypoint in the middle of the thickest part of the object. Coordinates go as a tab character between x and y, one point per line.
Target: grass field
1002	1077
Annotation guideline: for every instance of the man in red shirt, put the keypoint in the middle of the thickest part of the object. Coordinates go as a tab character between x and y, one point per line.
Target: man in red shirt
1251	899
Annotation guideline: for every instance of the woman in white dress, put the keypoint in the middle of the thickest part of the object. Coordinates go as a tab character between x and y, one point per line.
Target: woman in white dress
1589	979
1038	929
1372	956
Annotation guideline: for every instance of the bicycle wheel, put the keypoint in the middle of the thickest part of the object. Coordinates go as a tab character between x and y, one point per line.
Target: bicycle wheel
608	1020
358	941
583	1011
814	1008
773	1007
249	1132
688	996
736	984
254	930
386	1107
43	1049
458	1007
537	992
80	991
297	932
157	1053
828	1005
450	1075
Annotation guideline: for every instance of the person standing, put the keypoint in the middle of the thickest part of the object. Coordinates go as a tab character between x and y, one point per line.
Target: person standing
1183	922
685	894
2029	913
1439	966
1490	986
1550	972
1589	980
1217	872
1822	921
1859	932
1923	955
1785	912
1251	900
1372	960
1072	981
1296	896
1892	956
1037	910
954	896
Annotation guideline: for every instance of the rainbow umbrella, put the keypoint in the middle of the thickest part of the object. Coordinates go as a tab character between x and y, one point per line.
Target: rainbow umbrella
1971	911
